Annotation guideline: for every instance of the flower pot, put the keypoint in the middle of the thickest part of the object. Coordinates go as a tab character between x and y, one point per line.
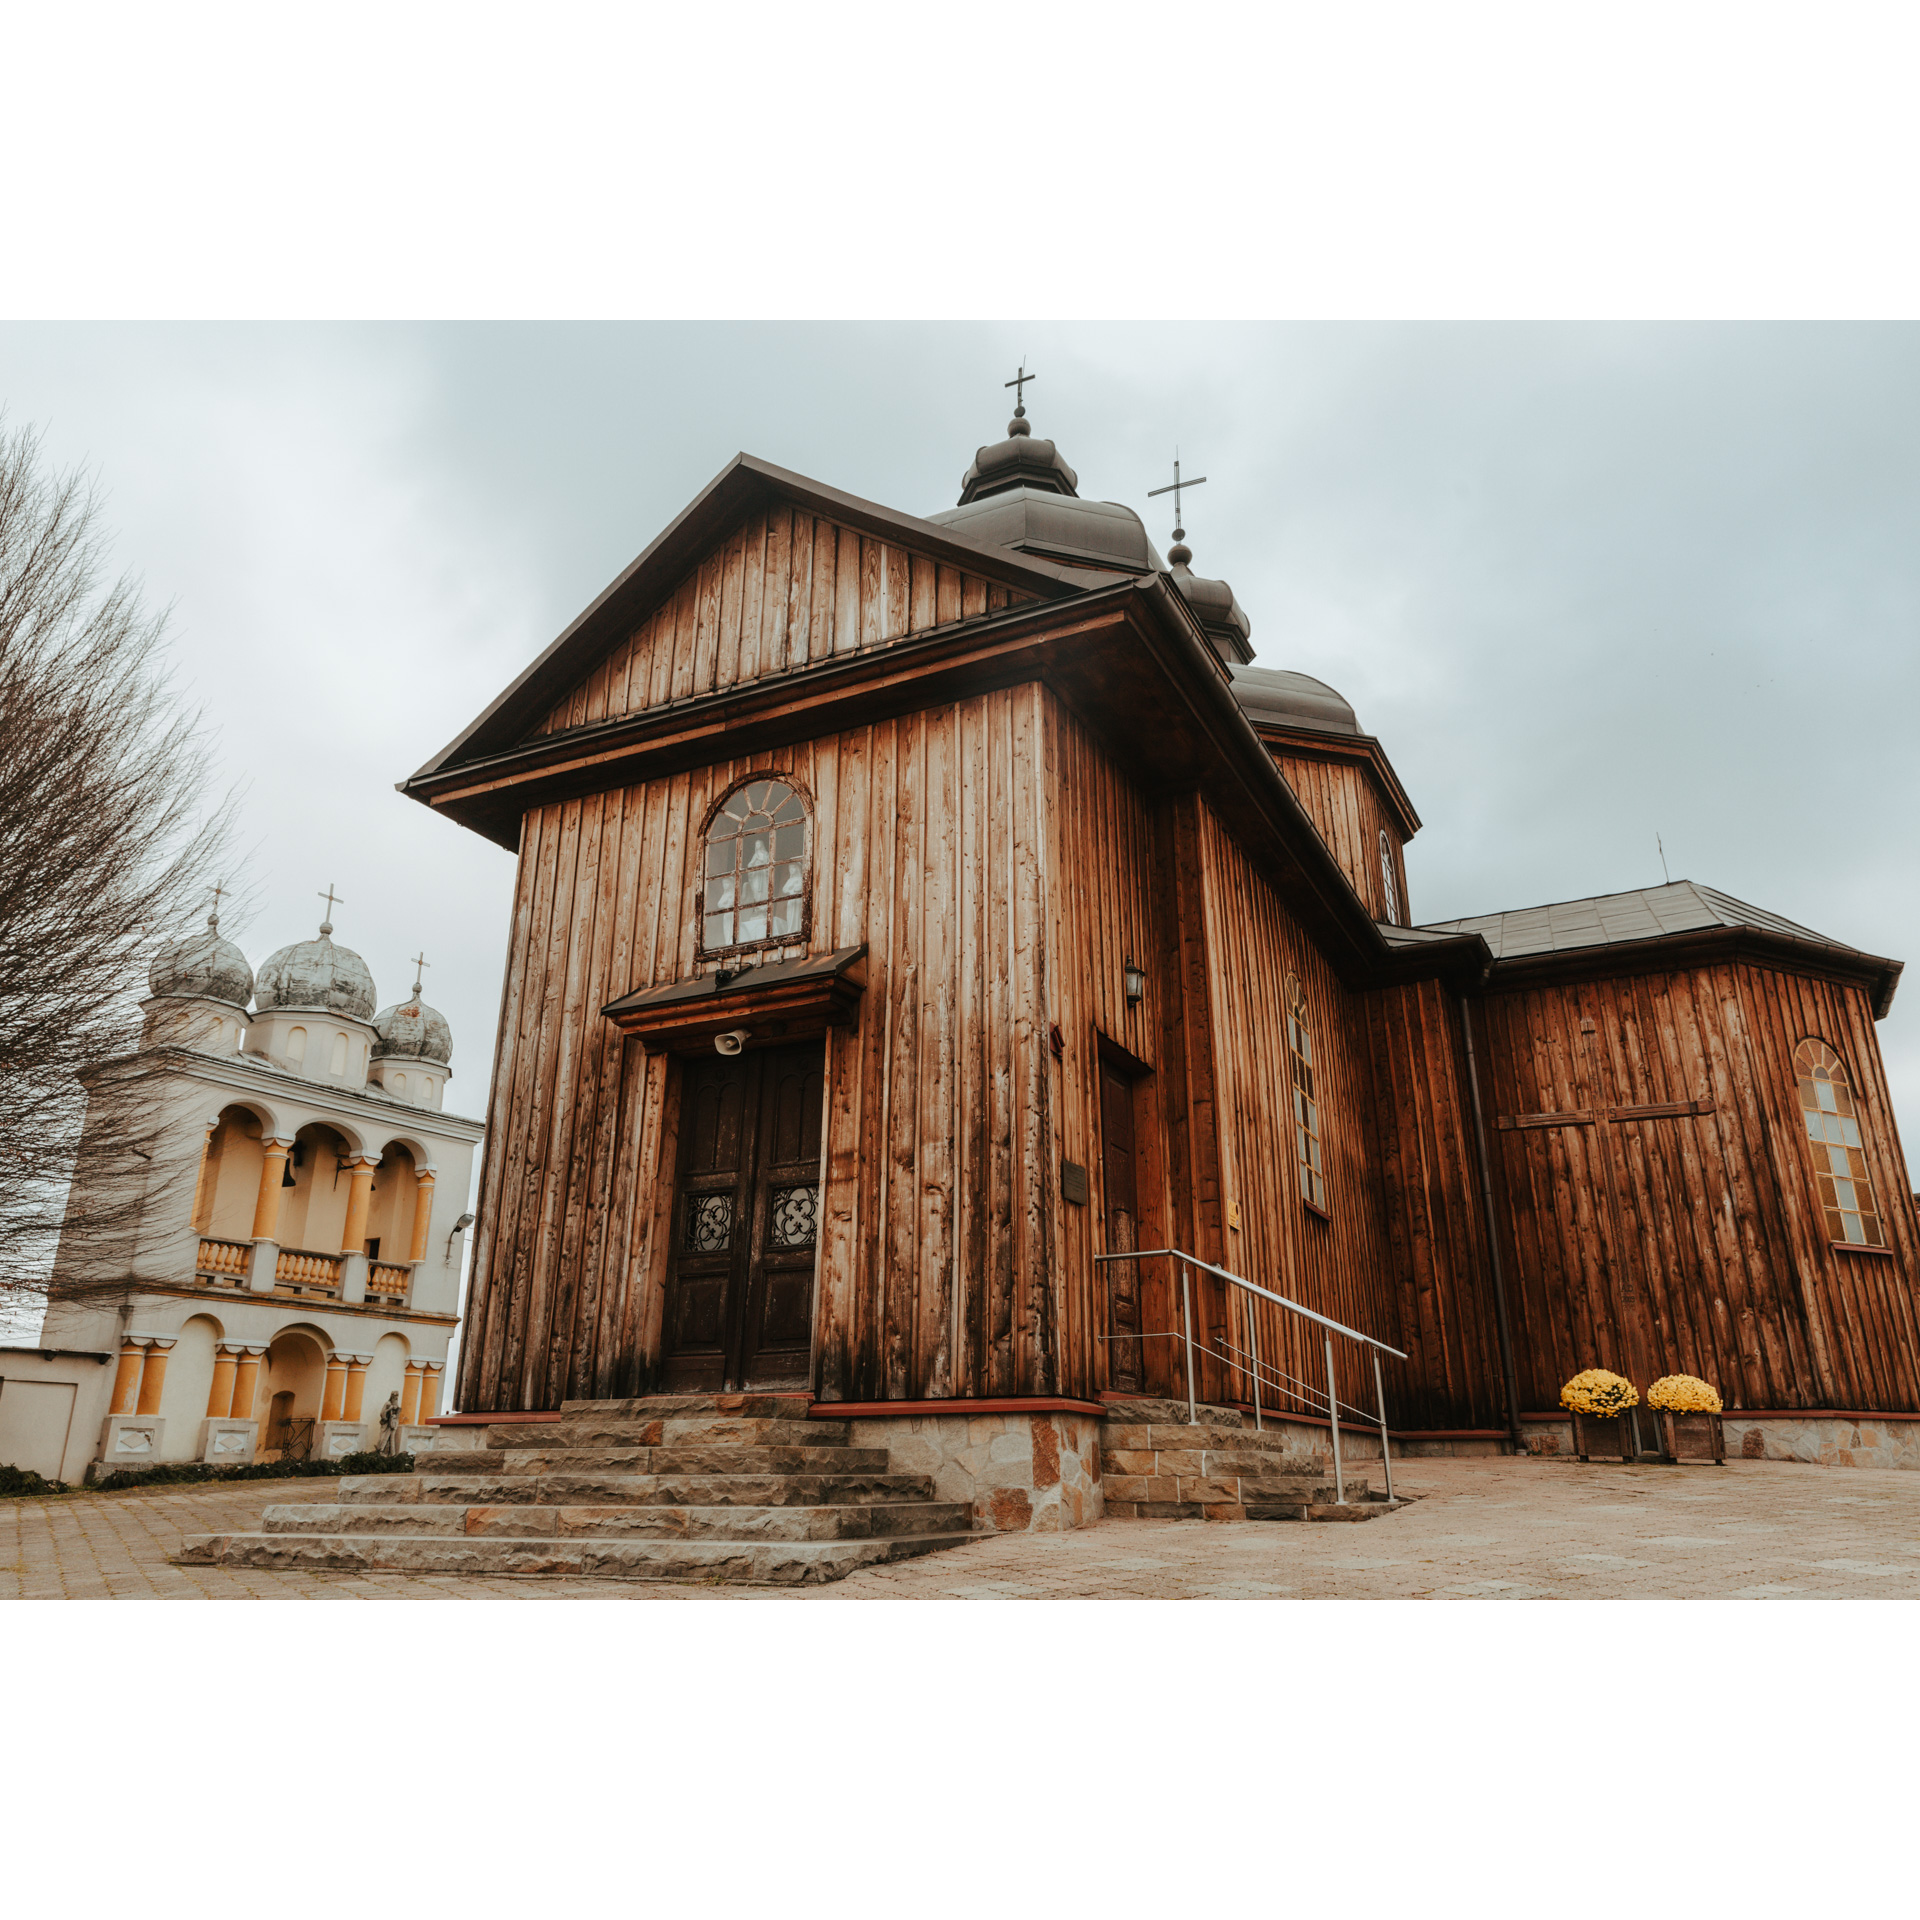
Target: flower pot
1694	1436
1608	1437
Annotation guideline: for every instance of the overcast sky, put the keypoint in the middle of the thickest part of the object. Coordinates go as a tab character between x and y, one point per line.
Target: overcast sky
1589	584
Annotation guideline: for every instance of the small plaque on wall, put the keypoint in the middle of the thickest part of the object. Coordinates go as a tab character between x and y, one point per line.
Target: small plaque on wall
1073	1183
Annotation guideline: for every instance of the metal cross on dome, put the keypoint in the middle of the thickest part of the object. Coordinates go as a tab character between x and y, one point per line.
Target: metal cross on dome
1179	531
419	967
213	919
333	900
1019	385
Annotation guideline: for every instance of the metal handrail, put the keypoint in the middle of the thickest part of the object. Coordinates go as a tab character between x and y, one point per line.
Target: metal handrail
1292	1306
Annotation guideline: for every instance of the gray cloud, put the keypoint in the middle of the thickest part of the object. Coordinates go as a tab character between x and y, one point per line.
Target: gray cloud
1588	583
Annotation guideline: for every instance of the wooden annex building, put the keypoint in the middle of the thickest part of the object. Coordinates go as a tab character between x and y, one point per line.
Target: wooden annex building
912	909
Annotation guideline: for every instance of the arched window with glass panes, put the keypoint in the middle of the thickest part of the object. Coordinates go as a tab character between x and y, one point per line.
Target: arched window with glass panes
1389	891
755	882
1306	1105
1840	1171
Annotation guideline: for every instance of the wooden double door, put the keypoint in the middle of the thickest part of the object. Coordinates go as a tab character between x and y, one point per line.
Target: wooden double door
746	1222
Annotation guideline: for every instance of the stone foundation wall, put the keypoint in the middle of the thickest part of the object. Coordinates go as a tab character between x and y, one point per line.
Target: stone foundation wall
1863	1442
1845	1442
1020	1472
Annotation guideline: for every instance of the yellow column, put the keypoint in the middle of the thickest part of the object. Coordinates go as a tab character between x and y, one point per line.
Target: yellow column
221	1396
266	1210
153	1376
203	1189
410	1396
353	1239
429	1390
356	1385
126	1382
246	1382
336	1387
422	1212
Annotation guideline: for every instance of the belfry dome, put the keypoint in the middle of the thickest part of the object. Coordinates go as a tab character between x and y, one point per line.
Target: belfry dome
316	973
1017	461
202	967
413	1031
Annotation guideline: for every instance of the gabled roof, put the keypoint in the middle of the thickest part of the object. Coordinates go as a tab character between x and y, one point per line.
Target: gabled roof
1610	922
1613	919
743	486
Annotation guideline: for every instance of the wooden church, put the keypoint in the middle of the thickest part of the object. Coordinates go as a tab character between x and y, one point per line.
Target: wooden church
913	910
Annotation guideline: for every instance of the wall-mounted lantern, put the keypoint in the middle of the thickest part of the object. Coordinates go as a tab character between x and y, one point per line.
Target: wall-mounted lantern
1136	980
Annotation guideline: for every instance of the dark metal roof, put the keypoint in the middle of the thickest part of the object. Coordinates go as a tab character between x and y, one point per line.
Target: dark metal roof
1279	699
1017	461
1619	919
1214	606
1057	526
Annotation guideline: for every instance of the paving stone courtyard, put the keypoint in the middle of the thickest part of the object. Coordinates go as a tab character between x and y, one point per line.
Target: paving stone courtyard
1480	1530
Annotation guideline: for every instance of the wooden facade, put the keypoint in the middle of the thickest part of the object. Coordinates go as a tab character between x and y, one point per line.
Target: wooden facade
1085	894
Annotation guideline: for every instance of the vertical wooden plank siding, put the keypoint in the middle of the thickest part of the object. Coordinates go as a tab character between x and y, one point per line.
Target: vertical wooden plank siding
1695	1243
925	828
1349	815
786	588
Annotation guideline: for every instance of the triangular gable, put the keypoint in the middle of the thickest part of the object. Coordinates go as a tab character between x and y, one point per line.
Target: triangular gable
878	594
787	588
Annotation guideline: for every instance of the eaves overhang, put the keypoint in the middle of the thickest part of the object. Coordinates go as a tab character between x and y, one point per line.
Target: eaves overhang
1311	743
1705	946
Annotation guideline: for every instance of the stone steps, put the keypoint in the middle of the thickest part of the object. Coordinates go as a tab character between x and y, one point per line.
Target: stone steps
751	1562
491	1460
680	1431
872	1521
711	1487
1155	1465
632	1489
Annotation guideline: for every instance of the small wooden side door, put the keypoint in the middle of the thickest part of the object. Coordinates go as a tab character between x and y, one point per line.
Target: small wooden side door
1118	1198
745	1222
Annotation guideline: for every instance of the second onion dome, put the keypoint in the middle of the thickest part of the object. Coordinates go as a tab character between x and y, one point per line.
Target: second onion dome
1219	613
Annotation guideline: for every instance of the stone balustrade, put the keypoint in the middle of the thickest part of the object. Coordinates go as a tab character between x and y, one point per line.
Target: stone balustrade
388	1282
226	1259
306	1271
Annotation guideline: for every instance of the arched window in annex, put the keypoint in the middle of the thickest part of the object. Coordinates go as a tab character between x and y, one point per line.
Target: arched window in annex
1389	888
1832	1118
1306	1103
756	874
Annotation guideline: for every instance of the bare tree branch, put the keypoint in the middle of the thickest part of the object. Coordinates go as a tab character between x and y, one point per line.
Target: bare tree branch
107	841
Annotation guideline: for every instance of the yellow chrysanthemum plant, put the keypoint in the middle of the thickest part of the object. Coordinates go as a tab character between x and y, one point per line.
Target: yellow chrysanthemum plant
1598	1394
1683	1393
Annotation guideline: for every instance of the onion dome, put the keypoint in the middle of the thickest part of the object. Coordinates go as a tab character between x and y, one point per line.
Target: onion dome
1017	461
413	1031
202	967
316	973
1056	526
1213	604
1272	699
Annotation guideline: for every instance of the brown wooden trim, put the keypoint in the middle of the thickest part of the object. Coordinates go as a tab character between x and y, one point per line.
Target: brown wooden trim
773	1012
1322	1212
1854	1246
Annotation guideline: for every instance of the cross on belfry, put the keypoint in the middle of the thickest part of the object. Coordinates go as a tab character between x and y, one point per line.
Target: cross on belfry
213	919
333	900
419	967
1019	385
1179	531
